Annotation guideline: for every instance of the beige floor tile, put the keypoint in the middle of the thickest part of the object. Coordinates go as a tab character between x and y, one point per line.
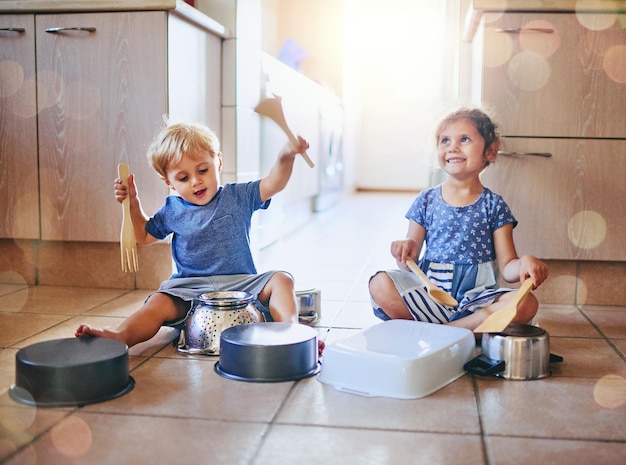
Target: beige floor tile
17	327
163	340
565	320
451	409
621	346
335	290
57	300
610	320
67	328
356	315
588	358
330	309
88	438
335	334
190	388
122	306
7	368
527	451
9	288
554	407
19	425
289	445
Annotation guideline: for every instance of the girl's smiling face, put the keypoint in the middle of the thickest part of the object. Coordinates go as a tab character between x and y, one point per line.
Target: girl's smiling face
461	150
196	179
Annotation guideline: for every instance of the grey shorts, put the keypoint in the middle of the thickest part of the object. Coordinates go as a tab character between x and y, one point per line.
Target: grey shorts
189	289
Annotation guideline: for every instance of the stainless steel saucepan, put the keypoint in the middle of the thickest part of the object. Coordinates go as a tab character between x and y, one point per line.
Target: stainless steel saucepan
520	352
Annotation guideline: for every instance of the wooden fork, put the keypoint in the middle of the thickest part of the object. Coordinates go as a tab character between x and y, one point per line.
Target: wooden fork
128	242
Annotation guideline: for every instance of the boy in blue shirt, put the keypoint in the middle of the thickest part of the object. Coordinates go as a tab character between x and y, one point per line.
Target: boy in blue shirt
210	228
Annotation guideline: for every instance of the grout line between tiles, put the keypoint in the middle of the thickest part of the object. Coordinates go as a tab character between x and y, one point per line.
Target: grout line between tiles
483	439
608	340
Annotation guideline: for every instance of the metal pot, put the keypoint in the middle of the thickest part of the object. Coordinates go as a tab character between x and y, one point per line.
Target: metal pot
211	314
309	305
520	352
269	352
71	372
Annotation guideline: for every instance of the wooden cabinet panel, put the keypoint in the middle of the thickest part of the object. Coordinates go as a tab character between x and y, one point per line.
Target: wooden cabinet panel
102	94
19	204
548	75
569	206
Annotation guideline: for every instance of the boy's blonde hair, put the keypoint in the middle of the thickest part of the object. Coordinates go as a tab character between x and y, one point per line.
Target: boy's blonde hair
179	140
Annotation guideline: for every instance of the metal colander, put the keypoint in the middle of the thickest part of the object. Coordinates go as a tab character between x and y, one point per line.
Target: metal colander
211	314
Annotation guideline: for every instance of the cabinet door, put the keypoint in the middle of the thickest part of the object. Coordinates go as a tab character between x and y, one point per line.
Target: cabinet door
102	84
548	75
569	206
19	185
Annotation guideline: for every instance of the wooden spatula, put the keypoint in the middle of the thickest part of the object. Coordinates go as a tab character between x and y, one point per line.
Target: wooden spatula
497	322
439	295
273	109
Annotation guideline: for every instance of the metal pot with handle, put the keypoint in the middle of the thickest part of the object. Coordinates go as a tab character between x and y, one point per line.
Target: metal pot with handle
520	352
211	314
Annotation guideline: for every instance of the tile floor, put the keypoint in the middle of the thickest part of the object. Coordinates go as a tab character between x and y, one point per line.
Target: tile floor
181	411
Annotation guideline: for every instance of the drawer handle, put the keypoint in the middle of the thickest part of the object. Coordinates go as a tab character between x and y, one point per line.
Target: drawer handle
517	30
531	154
56	30
19	30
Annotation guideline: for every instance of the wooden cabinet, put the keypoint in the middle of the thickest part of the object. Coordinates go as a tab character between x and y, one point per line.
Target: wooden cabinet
19	191
102	93
547	75
103	83
550	83
569	206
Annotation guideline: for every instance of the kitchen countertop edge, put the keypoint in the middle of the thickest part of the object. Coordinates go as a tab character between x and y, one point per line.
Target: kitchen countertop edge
178	7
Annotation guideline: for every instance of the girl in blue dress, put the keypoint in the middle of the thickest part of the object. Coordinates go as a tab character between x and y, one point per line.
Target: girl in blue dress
466	232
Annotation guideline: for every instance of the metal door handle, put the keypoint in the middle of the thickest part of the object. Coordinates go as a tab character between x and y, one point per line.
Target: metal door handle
531	154
56	30
13	29
517	30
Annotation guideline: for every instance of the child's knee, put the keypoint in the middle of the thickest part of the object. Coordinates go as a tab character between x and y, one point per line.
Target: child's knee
379	285
283	279
527	309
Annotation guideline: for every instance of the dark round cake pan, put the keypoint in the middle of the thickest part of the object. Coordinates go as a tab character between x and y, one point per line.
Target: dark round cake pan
268	352
71	372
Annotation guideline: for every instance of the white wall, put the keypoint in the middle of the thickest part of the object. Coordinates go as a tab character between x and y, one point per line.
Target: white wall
399	79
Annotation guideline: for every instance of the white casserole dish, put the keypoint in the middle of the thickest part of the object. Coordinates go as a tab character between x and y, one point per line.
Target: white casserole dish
398	358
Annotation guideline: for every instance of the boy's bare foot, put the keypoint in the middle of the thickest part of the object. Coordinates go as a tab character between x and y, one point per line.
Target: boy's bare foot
87	331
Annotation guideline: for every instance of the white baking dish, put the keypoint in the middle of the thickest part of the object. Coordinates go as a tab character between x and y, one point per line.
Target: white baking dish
398	358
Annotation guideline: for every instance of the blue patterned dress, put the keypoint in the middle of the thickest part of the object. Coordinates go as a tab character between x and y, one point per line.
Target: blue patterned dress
459	255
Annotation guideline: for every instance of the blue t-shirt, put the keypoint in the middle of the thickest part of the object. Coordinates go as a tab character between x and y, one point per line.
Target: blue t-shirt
460	235
212	239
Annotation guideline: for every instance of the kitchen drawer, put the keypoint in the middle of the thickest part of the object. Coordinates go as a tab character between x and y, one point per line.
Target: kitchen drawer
547	75
569	206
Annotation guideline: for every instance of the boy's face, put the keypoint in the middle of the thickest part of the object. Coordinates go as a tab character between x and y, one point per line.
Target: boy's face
196	180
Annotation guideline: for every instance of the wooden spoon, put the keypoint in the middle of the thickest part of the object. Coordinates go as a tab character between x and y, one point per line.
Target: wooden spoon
439	295
497	322
273	109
